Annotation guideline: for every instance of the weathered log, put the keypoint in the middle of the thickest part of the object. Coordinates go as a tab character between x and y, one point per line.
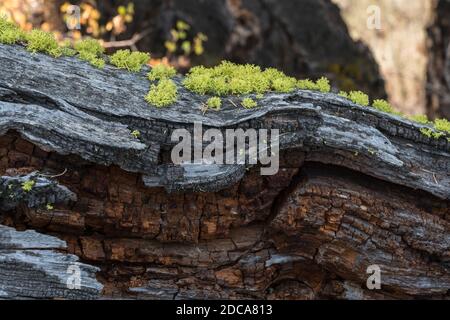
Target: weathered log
356	187
31	267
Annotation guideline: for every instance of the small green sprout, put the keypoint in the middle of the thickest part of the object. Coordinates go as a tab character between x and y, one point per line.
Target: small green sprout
162	94
214	103
27	186
91	50
359	97
421	118
131	61
136	134
49	207
161	71
249	103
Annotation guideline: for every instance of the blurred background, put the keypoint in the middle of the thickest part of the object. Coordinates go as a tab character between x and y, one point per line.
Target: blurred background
395	49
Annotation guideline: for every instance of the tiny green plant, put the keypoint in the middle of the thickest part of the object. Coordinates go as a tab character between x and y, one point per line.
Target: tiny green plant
131	61
27	186
249	103
136	134
162	94
214	103
49	207
161	71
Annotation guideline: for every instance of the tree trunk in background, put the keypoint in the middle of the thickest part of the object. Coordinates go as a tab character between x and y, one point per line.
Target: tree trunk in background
438	87
304	38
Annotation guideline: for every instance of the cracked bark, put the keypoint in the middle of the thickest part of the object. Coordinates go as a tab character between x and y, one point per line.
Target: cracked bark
356	187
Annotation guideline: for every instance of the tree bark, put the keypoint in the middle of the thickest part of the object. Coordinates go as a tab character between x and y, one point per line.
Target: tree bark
356	188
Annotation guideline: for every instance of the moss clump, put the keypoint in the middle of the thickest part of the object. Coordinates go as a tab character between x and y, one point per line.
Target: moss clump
421	118
27	186
431	133
162	94
383	105
249	103
131	61
322	85
229	78
214	103
9	32
91	50
41	41
161	71
359	97
136	134
442	125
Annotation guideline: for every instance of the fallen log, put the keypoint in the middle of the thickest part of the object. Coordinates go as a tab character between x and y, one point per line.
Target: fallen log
356	188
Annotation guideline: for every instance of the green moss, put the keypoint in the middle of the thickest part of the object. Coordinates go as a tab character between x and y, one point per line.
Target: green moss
91	50
9	32
431	133
161	71
162	94
442	125
229	78
421	118
214	103
27	186
136	134
41	41
383	105
49	207
343	94
322	85
359	97
249	103
131	61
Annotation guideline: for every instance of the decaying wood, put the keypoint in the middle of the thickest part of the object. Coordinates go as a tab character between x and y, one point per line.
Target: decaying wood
356	187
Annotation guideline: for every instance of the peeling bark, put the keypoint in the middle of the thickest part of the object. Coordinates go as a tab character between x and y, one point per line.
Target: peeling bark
356	187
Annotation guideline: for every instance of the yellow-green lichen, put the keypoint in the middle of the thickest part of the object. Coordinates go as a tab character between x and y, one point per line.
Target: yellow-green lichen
214	103
249	103
162	94
131	61
161	71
